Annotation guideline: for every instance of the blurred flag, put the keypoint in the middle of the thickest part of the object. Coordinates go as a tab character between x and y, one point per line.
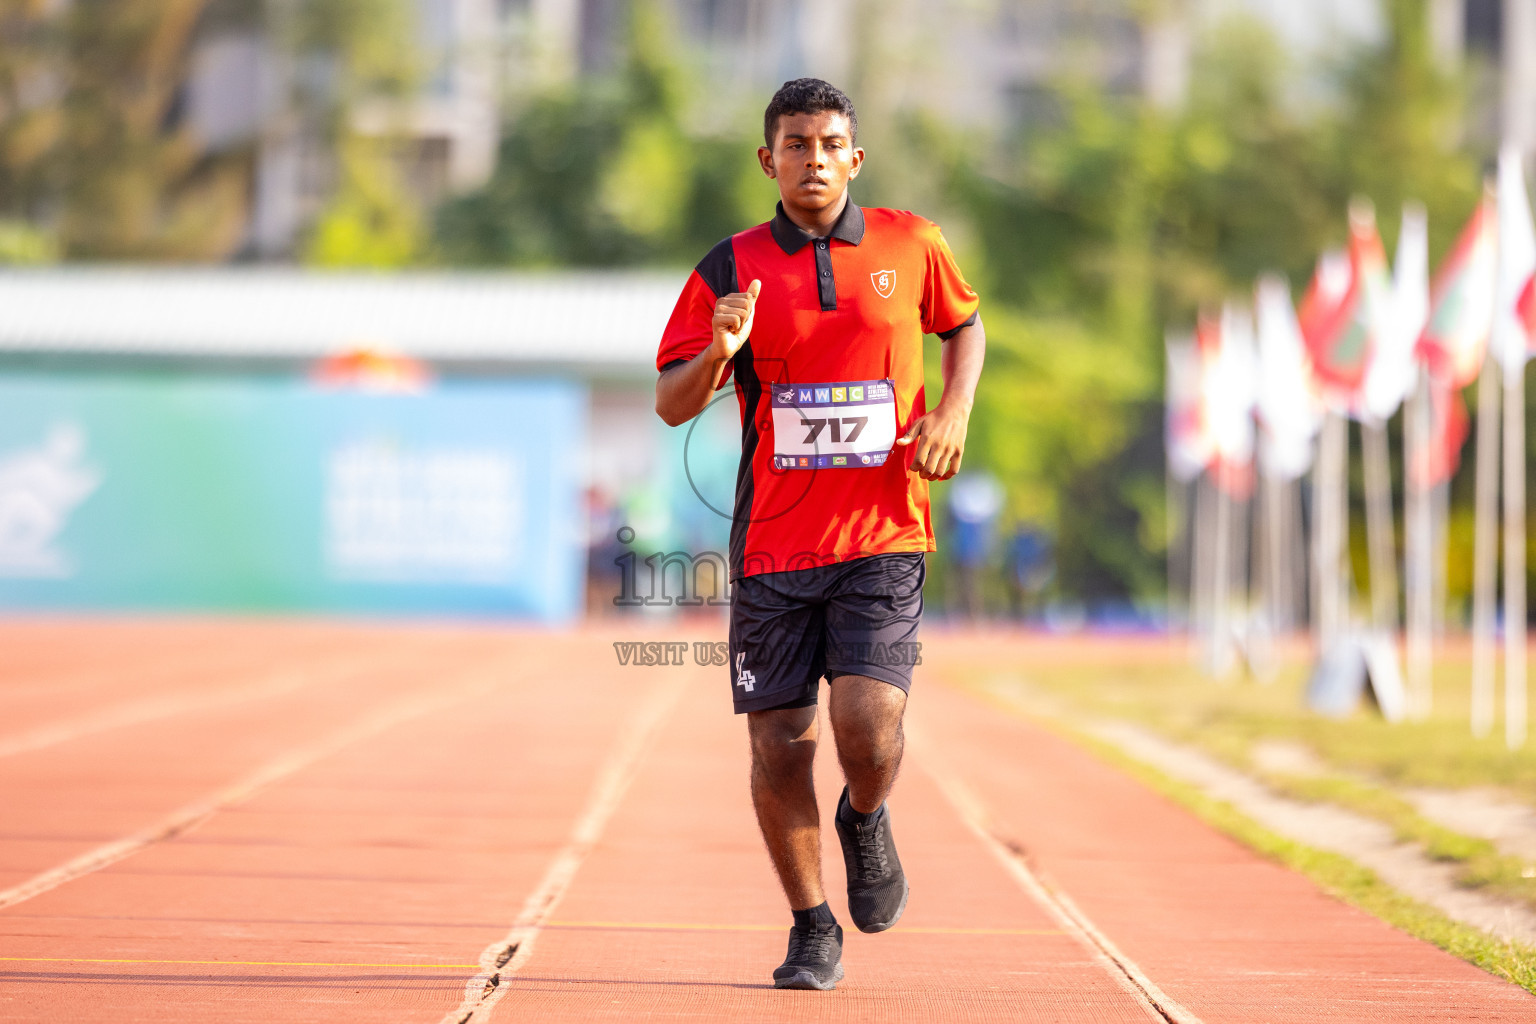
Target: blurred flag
1447	435
1512	336
1392	372
1288	408
1455	338
1326	307
1189	448
1229	389
1346	309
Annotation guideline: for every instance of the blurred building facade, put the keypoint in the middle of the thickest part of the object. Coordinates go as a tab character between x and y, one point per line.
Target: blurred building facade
989	63
244	89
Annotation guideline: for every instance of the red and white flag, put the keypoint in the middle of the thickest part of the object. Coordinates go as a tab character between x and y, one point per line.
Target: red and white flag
1455	338
1188	442
1447	434
1347	310
1228	388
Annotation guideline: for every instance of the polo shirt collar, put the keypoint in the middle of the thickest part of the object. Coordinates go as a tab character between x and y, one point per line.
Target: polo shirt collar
792	238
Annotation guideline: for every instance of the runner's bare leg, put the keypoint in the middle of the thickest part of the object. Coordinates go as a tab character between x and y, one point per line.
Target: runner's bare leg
784	794
866	724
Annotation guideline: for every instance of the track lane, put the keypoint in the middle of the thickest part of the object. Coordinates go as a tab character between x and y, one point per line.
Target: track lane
677	915
184	819
407	850
135	660
211	689
59	802
1229	935
350	889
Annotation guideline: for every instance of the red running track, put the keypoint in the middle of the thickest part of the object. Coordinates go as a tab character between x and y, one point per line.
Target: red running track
295	822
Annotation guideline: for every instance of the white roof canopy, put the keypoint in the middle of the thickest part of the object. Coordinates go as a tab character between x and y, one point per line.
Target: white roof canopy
581	321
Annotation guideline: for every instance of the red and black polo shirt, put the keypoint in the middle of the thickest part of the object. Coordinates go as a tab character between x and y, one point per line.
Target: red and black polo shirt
831	374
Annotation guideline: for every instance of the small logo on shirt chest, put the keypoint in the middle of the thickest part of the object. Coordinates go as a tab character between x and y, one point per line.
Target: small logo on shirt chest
884	281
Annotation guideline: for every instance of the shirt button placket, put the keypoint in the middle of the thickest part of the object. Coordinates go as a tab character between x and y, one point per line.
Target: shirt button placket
826	286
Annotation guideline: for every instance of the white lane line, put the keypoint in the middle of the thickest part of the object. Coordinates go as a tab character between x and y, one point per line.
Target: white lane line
1056	903
149	709
506	955
152	708
186	818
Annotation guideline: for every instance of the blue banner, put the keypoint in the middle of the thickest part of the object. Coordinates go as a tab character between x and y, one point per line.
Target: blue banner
187	492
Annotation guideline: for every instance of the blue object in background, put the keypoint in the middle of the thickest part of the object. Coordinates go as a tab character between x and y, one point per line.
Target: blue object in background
269	494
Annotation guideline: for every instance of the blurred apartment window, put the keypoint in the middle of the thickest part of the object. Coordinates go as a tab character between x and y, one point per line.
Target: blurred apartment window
437	42
602	24
225	101
721	18
426	162
1484	26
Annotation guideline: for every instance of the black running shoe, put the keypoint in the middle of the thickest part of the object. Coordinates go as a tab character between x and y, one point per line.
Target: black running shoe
815	958
877	887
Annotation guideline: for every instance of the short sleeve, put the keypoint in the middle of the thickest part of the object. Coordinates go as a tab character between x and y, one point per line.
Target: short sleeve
689	331
948	301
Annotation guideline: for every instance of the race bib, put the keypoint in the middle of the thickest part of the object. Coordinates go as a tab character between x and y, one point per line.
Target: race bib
851	425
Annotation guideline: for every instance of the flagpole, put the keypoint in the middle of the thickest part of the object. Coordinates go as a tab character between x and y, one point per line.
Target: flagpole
1217	661
1200	573
1344	577
1297	575
1379	527
1274	553
1255	625
1440	555
1319	605
1484	552
1511	342
1173	539
1514	557
1418	545
1329	495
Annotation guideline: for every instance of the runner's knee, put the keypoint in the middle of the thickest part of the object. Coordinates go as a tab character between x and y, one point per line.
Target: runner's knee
868	744
783	743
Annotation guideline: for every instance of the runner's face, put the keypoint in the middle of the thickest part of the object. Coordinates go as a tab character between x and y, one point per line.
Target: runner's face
813	157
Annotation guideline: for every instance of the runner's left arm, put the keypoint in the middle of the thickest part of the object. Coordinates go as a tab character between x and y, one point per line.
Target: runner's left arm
940	433
948	308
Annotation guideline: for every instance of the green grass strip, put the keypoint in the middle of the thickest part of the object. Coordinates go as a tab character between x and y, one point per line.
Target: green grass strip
1479	863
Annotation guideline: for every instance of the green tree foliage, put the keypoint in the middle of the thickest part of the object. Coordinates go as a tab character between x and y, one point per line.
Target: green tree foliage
610	171
372	218
31	114
1123	219
97	160
93	154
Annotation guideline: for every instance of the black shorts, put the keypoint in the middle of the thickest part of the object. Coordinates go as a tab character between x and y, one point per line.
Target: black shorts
788	629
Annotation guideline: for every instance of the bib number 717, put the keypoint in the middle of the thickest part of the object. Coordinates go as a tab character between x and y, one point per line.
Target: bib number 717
842	425
839	430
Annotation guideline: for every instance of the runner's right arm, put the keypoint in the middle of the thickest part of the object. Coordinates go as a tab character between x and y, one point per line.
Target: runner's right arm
682	391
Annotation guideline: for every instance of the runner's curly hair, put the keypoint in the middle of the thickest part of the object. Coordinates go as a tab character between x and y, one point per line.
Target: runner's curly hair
808	96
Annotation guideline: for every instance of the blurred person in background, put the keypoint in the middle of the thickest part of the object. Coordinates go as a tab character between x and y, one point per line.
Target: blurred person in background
1029	569
974	501
820	314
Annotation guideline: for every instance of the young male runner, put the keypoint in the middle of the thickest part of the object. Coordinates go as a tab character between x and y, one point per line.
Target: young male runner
820	315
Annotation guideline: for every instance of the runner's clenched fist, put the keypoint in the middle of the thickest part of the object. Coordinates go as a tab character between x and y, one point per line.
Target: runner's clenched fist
732	321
